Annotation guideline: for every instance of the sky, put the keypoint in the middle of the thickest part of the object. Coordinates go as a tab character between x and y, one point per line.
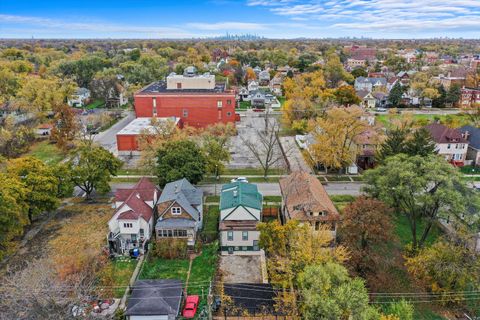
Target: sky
148	19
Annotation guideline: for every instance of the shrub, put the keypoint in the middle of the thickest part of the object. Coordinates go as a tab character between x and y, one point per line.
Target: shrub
170	248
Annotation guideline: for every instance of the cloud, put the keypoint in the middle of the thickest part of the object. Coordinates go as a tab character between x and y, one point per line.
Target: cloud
381	15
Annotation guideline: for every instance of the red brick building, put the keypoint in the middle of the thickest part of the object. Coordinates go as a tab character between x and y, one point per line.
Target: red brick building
195	99
470	97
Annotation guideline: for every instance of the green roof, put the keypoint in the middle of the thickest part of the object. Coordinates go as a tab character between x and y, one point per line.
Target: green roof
240	194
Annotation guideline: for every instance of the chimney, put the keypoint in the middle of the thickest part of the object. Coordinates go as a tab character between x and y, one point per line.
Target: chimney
466	135
176	188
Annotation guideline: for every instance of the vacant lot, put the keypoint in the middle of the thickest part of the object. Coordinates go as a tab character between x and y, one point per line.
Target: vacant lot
46	151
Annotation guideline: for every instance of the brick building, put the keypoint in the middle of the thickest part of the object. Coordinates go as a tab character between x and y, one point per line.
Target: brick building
470	97
197	100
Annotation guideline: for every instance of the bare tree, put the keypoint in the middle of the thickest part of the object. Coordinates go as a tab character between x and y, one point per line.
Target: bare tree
266	148
36	293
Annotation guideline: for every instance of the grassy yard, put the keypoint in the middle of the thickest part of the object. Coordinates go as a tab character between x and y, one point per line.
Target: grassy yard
424	119
253	172
210	223
120	271
95	104
470	170
158	268
131	172
46	151
341	201
203	269
338	178
402	230
244	105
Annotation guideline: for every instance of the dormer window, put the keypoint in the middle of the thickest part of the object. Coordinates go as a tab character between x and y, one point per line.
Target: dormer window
176	210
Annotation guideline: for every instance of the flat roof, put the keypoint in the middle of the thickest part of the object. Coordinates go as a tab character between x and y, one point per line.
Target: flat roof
161	87
136	126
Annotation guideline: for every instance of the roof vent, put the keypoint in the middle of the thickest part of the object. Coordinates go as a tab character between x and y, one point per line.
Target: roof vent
235	193
176	188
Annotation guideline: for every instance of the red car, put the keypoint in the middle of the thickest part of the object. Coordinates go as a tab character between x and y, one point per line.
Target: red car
191	305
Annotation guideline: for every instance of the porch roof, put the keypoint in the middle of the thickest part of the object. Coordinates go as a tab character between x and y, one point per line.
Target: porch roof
175	223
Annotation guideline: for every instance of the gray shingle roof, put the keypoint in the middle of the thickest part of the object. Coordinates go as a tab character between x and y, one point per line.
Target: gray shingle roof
185	194
155	297
175	223
473	136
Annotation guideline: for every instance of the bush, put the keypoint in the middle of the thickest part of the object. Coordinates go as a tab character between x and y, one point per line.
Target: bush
170	248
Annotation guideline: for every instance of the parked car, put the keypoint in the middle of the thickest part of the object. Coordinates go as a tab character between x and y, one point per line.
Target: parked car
239	179
191	305
381	110
237	116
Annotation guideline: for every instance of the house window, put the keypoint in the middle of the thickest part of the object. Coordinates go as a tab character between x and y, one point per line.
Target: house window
230	235
244	248
154	103
448	146
179	85
229	114
142	232
176	210
185	113
317	225
127	225
229	102
134	237
244	235
170	233
219	103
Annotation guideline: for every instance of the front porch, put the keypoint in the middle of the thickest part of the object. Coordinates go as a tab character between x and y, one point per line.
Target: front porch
177	228
122	243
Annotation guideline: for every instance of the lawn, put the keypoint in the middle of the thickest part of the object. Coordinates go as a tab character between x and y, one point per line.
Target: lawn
281	100
120	271
253	172
402	230
210	223
244	105
46	151
212	199
341	201
424	119
470	170
338	178
203	270
158	268
95	104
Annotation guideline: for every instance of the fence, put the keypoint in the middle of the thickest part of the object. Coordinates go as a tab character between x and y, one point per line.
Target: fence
270	212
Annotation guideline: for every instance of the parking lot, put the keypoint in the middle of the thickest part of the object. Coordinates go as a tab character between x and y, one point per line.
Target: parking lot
248	127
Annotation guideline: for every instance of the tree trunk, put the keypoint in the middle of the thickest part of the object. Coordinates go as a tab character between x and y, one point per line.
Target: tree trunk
414	234
30	215
425	234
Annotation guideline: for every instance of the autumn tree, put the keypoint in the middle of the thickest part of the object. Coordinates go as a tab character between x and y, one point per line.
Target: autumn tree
420	188
334	71
14	139
346	96
91	168
328	292
13	208
335	134
180	159
365	230
39	181
250	74
9	85
447	266
65	127
214	143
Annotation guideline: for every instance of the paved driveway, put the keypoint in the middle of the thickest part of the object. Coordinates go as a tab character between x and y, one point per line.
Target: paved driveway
241	269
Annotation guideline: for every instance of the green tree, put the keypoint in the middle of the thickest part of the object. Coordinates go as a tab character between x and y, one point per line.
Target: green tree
402	140
91	168
420	144
359	72
420	188
440	100
40	183
393	145
14	140
180	159
214	143
401	310
395	95
13	210
65	185
334	71
328	292
453	94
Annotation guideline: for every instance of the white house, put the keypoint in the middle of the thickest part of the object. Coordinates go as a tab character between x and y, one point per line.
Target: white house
132	224
252	86
240	212
79	98
450	143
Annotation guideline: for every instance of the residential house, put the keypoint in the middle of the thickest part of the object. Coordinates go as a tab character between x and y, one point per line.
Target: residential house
371	84
367	143
258	99
368	100
470	97
44	129
356	63
449	80
155	299
381	99
240	212
450	143
404	78
472	135
242	94
257	70
81	96
252	86
276	85
264	77
180	211
304	199
132	224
